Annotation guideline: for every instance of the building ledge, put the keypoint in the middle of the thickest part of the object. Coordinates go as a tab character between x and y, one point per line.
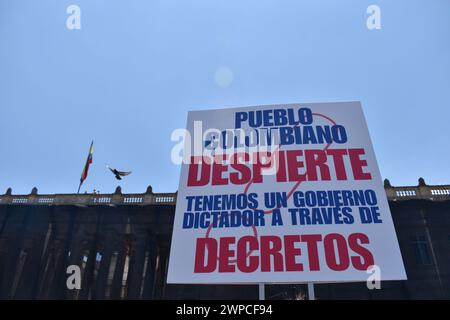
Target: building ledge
420	192
90	199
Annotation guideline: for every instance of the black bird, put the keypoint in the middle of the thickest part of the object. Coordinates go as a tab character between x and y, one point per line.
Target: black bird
118	174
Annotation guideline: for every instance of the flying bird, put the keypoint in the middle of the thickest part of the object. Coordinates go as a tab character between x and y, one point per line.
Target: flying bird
118	174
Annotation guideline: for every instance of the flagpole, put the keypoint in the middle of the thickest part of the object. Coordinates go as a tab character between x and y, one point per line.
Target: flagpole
81	182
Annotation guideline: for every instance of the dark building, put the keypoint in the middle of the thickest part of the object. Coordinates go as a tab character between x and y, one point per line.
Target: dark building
121	243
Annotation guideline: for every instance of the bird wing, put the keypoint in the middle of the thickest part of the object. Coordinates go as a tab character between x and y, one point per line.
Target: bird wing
112	169
122	173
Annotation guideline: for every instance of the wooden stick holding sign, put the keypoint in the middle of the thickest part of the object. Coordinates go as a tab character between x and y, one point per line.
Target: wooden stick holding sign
262	294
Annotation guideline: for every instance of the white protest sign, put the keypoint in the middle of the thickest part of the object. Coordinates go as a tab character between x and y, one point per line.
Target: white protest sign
281	194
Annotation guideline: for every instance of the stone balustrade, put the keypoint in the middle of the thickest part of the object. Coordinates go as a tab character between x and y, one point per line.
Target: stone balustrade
421	191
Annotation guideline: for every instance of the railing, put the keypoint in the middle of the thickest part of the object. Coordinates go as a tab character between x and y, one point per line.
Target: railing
422	191
89	199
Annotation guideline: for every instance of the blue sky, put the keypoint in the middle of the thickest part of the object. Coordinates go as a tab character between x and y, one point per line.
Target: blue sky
129	76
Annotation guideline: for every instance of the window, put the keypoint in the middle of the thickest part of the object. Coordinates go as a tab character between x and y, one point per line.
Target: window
421	250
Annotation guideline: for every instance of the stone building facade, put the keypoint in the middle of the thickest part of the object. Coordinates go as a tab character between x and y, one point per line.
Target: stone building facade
121	243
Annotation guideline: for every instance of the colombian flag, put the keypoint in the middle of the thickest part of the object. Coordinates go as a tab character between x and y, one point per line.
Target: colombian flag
86	166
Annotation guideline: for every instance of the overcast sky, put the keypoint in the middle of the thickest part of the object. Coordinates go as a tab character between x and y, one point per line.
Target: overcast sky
127	78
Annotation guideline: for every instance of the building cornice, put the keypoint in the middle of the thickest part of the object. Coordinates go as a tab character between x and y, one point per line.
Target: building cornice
401	193
90	199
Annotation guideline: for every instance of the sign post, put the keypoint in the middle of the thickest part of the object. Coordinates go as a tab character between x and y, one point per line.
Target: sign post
281	194
262	293
311	295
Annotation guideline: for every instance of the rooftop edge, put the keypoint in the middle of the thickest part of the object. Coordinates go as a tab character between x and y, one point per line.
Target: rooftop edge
394	193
